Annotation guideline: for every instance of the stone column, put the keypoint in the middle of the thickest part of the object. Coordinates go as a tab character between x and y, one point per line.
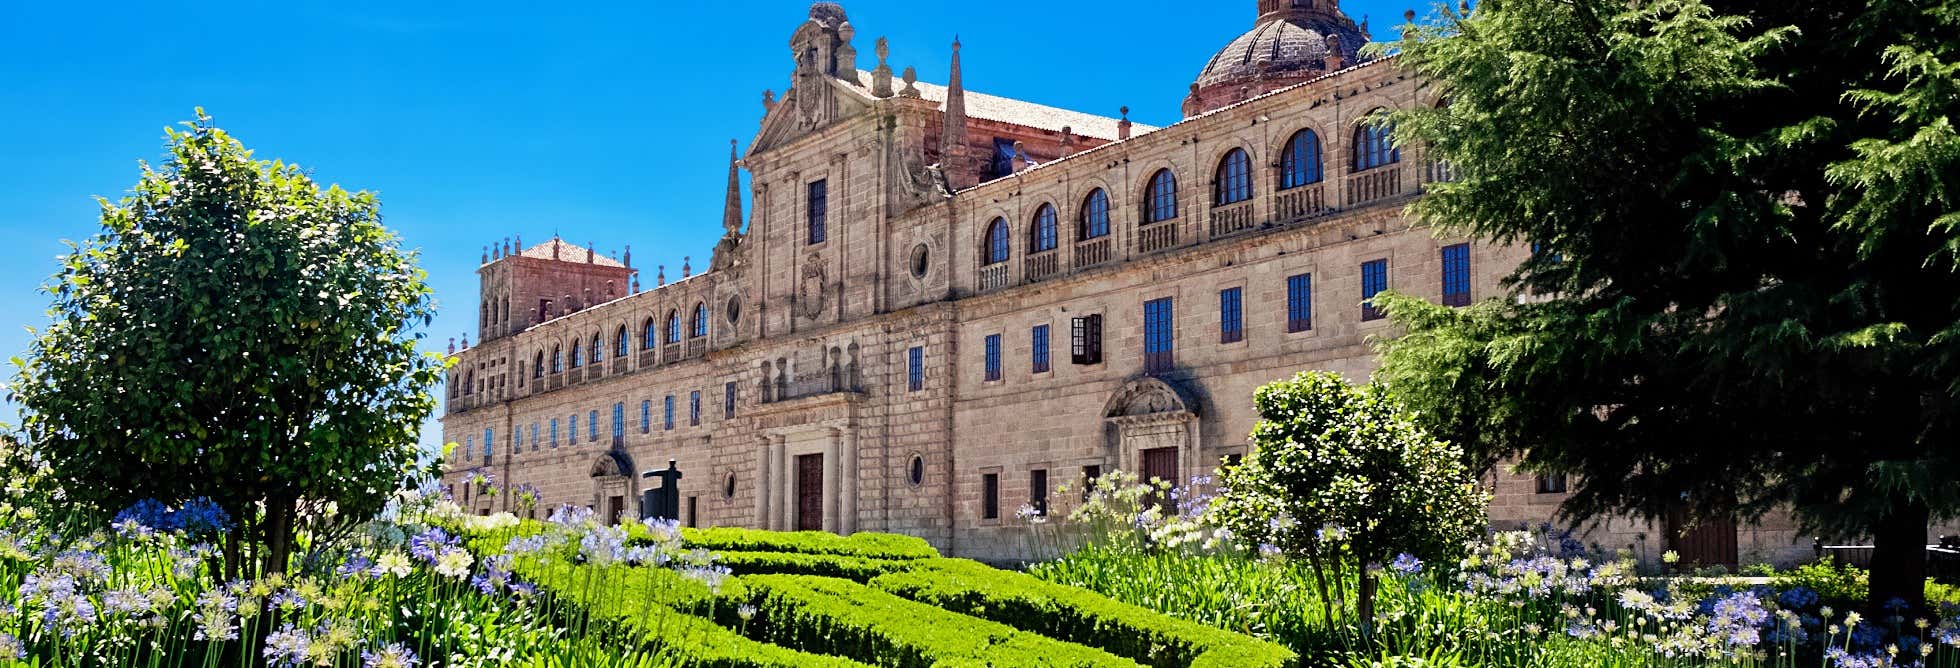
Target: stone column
765	469
833	506
853	483
784	483
1191	449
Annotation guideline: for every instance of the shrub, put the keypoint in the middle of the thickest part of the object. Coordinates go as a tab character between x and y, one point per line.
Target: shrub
1078	615
841	617
867	545
857	569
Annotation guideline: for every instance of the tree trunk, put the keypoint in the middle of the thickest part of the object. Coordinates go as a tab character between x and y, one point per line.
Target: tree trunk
1899	559
280	514
1364	605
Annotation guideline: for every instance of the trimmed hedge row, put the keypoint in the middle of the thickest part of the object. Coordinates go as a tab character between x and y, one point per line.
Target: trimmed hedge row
1079	616
865	545
856	569
836	616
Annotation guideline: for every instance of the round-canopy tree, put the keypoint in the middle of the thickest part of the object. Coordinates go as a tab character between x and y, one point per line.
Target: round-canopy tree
1340	476
234	332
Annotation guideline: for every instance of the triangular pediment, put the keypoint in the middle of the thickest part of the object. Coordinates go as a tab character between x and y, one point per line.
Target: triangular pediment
805	110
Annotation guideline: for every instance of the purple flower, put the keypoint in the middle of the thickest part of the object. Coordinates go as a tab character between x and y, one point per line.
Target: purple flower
1406	564
149	513
429	545
11	647
357	565
202	517
287	647
393	656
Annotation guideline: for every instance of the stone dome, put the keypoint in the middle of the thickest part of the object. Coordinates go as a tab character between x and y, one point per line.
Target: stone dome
1286	47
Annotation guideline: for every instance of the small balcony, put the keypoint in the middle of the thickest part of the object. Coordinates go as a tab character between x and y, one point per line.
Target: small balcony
1157	236
576	375
649	358
670	352
618	366
1041	266
554	381
1092	252
993	277
697	347
1301	202
1374	185
810	387
1231	219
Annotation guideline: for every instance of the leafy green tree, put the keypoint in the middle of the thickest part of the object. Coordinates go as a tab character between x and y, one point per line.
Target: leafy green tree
1744	294
1341	476
234	332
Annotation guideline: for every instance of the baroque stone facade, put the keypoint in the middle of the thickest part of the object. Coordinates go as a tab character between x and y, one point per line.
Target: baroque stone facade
871	353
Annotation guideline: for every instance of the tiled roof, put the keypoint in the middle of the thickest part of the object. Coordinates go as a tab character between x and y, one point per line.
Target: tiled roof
1019	112
568	253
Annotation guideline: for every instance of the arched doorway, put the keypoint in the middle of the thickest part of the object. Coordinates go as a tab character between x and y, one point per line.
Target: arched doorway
1153	430
615	492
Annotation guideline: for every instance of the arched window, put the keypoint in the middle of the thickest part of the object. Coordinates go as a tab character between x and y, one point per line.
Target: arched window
1234	183
557	359
620	343
1374	146
673	327
648	335
996	242
1160	199
1041	237
1094	221
1299	162
598	349
699	327
578	356
537	367
469	382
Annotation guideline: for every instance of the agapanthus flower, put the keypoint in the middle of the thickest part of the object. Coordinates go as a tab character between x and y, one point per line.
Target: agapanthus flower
1797	598
1737	621
63	606
395	655
214	616
11	647
202	517
1406	564
84	565
395	564
287	600
287	647
430	545
746	611
712	576
148	513
357	565
454	563
603	545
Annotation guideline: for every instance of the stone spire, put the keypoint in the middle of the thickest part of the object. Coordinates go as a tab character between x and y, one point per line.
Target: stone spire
952	141
731	208
881	78
628	260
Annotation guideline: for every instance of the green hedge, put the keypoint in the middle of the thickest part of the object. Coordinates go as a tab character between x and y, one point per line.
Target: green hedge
857	569
1079	616
841	617
865	545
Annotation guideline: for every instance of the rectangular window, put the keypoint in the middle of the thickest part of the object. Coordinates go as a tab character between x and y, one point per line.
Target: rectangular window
646	416
592	426
517	440
1456	275
1158	336
1090	474
1374	279
489	445
1038	491
1231	315
989	496
728	400
1085	339
819	207
1299	303
669	412
1551	484
534	437
915	369
571	430
619	423
993	357
1039	339
554	432
694	408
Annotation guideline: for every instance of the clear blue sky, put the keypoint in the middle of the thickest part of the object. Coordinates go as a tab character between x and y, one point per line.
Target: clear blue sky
602	121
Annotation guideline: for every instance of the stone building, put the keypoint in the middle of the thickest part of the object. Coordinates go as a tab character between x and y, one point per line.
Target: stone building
946	304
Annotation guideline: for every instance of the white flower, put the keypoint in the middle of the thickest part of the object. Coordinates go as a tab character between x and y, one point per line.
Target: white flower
394	563
454	563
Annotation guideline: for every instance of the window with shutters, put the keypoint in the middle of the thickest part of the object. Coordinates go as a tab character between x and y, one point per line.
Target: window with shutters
592	426
1085	339
668	410
1374	280
554	432
619	423
1231	315
1159	336
1299	302
694	408
1456	275
915	369
993	357
1038	339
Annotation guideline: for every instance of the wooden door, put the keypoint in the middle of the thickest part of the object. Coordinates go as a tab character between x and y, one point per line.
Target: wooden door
615	506
1709	542
1160	464
809	493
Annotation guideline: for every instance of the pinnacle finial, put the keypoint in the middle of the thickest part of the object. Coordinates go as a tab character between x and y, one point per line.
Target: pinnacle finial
731	213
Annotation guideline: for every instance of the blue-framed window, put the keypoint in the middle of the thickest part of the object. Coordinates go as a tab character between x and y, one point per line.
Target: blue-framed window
1231	315
592	426
1234	178
621	344
554	432
1456	275
694	408
699	327
534	437
489	444
1374	146
517	440
646	415
598	349
649	335
915	369
1299	162
557	359
1094	221
1158	336
673	327
619	422
668	412
1040	355
1160	198
1042	237
1374	280
1299	302
993	357
997	242
571	430
819	210
578	356
728	400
